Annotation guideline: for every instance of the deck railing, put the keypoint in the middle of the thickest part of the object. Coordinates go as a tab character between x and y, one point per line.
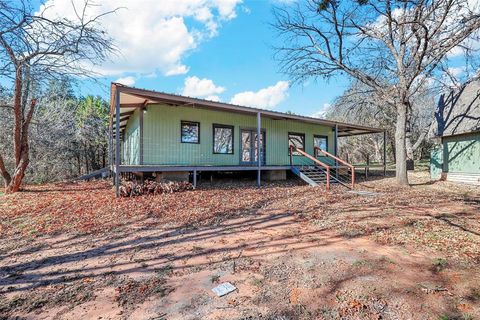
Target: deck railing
337	168
314	160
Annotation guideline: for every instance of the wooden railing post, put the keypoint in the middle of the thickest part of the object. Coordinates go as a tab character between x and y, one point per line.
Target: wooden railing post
367	168
315	160
328	178
353	176
338	160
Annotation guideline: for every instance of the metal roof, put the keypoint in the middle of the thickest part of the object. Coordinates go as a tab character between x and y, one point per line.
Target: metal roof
132	98
458	111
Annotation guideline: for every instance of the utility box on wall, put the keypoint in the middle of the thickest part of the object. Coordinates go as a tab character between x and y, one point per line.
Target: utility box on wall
410	165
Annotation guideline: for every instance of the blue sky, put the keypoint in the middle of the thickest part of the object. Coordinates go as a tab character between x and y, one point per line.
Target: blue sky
235	59
212	49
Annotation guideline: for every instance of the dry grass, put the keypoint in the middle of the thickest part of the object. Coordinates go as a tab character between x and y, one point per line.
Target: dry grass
294	251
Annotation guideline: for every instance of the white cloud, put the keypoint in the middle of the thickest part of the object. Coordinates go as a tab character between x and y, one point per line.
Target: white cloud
213	98
267	98
287	2
128	81
457	51
201	88
456	72
321	113
151	36
460	9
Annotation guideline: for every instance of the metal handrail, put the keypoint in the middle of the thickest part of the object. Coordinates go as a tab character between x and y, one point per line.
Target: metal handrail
315	160
346	164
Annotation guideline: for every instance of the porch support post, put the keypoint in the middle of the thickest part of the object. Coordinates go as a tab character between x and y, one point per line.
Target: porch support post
140	120
259	149
110	149
335	151
117	141
335	138
384	153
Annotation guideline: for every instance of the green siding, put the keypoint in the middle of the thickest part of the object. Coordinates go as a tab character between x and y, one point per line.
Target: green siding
162	144
131	143
462	153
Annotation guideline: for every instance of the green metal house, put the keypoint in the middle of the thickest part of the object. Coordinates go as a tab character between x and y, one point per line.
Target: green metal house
457	156
176	136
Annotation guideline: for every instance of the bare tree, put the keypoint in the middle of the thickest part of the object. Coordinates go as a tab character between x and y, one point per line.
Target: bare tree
360	104
391	46
35	48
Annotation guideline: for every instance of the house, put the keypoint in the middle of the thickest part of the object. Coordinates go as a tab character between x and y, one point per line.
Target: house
457	156
174	136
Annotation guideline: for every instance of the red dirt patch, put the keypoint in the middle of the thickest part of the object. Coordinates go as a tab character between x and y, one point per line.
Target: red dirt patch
292	251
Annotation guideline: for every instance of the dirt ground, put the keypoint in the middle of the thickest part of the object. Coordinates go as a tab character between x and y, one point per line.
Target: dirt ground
72	251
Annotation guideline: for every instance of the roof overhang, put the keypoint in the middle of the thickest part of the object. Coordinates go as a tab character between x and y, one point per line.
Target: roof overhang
458	134
133	98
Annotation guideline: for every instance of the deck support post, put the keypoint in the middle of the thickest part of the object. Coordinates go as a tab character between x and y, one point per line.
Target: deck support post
117	142
194	179
367	168
384	153
259	148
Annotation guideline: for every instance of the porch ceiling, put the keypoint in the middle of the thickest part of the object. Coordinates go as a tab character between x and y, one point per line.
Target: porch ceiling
133	98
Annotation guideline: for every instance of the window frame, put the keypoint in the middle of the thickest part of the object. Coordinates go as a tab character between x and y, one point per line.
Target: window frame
303	141
223	126
181	132
264	153
321	136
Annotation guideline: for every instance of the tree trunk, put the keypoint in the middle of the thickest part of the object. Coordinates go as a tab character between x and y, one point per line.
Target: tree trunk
3	170
408	138
20	136
400	146
17	110
19	172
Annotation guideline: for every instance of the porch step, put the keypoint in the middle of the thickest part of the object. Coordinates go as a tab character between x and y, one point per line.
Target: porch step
314	172
315	175
100	173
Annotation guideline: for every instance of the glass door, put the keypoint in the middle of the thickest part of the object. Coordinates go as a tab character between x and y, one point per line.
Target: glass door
248	147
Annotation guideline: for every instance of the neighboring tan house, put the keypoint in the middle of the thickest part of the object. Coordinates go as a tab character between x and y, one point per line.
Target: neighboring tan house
170	136
457	158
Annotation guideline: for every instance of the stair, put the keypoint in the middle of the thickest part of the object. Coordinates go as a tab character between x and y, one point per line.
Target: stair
315	176
312	175
315	172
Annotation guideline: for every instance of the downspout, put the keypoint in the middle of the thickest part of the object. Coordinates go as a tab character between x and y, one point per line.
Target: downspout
140	120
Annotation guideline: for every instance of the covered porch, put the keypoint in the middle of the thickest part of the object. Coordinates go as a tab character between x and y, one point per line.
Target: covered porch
128	102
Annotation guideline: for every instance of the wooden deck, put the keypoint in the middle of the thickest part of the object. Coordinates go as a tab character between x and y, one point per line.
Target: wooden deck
167	168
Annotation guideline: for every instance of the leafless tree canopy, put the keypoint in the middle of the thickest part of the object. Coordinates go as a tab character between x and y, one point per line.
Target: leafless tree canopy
36	48
360	105
67	135
49	47
392	47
